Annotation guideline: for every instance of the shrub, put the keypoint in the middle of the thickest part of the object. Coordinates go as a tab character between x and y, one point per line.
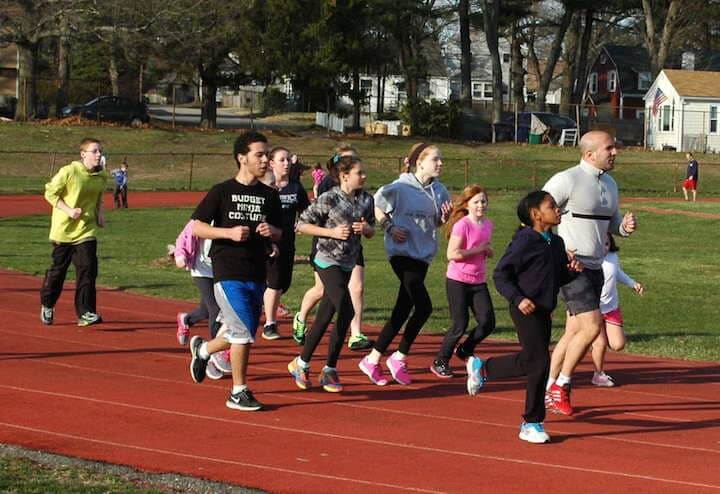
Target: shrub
273	101
435	118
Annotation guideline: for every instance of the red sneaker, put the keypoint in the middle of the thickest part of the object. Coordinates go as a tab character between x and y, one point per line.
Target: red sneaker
557	399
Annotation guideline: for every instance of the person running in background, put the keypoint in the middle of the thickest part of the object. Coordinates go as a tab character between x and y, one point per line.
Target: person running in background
294	200
410	210
241	216
318	174
469	235
338	218
121	186
75	193
357	341
529	275
691	177
612	334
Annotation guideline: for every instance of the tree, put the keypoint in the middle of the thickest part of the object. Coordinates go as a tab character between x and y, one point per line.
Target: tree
491	14
465	54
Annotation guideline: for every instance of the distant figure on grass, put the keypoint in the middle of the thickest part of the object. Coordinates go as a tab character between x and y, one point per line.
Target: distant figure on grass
590	197
529	275
469	234
357	341
612	333
691	177
242	217
75	193
339	219
294	200
318	174
120	194
410	210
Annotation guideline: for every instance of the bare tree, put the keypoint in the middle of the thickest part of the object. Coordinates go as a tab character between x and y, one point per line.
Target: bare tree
491	14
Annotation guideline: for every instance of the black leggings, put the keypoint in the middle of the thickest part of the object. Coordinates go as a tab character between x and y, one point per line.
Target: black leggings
460	297
84	258
532	361
208	308
336	298
412	293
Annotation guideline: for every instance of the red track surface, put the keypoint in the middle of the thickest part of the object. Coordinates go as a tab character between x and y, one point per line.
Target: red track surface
120	392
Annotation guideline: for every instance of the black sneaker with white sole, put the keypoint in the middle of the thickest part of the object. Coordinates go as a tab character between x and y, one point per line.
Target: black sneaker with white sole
244	400
197	364
47	314
270	332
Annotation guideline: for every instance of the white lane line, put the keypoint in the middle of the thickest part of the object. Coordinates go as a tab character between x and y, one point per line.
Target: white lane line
213	460
376	442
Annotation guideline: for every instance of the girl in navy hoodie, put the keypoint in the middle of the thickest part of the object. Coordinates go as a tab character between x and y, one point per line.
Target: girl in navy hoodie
530	274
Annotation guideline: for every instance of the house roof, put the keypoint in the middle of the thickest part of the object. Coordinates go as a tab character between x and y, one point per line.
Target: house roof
634	58
695	83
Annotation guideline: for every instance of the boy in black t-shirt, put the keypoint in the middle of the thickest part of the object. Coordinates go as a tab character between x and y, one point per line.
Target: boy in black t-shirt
294	200
245	214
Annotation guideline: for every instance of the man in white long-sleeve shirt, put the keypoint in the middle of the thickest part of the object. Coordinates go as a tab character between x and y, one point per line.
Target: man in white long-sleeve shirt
590	197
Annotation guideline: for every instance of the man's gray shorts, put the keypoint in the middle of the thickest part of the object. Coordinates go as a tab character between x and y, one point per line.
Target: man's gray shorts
583	293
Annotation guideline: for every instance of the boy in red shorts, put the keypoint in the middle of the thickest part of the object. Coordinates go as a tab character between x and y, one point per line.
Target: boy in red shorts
691	177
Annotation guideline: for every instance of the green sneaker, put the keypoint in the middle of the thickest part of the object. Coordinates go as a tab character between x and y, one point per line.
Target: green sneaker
359	343
88	319
299	329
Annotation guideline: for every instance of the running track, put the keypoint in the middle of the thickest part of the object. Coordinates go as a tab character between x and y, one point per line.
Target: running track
120	393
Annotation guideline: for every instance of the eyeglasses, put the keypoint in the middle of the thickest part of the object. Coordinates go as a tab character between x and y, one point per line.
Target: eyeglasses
93	151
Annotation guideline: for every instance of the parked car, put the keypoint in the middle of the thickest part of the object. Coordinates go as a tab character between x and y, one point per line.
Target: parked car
505	130
111	109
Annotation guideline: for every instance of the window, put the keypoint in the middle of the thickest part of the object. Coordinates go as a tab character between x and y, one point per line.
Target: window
482	90
666	119
592	83
640	114
477	90
644	80
506	58
603	59
714	120
612	81
487	91
366	87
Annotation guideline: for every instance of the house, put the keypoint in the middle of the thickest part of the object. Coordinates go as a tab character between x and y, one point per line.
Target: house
682	109
617	82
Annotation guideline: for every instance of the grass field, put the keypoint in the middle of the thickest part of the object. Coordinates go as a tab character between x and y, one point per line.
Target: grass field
175	160
675	256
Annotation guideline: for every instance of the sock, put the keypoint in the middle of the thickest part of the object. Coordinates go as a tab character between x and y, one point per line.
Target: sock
268	323
237	389
374	357
203	351
562	380
399	356
302	363
550	382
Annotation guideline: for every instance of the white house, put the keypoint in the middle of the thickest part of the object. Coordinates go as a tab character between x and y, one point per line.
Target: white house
686	114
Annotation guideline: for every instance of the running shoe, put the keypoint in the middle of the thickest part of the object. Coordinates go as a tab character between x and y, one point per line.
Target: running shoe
301	375
460	353
283	311
221	360
359	343
244	401
47	314
398	370
602	380
475	377
533	432
299	329
212	371
329	380
559	399
197	363
183	330
270	332
88	319
442	369
373	371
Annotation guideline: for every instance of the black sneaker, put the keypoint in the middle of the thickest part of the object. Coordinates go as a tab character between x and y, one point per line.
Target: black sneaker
244	400
47	314
359	343
197	364
442	369
270	332
460	353
88	319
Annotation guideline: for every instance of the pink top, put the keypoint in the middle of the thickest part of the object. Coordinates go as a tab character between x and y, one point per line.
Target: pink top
470	270
318	174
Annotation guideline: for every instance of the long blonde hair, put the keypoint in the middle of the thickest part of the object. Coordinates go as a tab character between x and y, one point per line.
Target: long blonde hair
460	208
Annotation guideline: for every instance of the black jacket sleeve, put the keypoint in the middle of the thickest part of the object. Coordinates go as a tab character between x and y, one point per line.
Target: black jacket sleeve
506	271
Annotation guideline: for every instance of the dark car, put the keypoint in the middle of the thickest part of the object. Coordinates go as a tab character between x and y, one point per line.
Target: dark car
556	123
111	109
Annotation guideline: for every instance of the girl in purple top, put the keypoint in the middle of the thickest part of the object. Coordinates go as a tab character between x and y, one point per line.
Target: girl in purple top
469	235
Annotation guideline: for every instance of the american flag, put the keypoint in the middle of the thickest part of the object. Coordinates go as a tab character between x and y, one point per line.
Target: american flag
659	99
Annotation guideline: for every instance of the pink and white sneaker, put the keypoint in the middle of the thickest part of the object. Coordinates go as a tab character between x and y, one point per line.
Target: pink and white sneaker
398	369
183	330
602	380
373	371
221	360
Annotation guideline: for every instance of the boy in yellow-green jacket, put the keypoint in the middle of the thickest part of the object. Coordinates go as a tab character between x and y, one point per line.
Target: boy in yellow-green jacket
75	193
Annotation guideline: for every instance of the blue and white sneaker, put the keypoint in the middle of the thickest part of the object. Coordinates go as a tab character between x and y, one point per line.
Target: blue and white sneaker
475	379
533	432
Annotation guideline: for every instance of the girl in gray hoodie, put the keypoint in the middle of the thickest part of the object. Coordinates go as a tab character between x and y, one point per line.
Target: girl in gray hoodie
410	210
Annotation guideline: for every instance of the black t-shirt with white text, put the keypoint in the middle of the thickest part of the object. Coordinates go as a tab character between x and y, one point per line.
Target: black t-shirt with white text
294	201
230	204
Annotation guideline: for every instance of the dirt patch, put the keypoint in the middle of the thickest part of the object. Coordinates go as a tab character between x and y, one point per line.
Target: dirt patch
693	214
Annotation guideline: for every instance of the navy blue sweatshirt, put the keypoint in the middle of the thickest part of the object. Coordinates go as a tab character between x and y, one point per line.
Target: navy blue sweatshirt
533	268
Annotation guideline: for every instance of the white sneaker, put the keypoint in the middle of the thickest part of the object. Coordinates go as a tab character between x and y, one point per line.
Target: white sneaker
533	432
602	380
475	379
221	360
213	372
